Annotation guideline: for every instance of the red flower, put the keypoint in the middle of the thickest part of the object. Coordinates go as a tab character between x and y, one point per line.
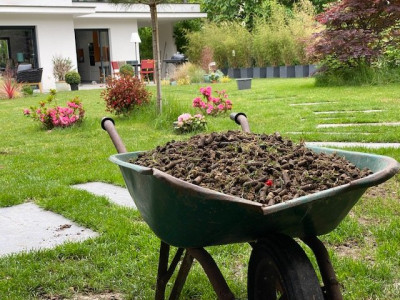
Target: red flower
269	182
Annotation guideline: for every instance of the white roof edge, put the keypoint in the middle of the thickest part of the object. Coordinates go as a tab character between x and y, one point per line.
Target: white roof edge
21	9
142	15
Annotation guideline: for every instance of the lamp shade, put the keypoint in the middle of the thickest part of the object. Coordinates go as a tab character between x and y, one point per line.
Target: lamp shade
135	38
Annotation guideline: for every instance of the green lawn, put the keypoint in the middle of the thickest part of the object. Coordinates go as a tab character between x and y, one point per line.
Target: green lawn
38	165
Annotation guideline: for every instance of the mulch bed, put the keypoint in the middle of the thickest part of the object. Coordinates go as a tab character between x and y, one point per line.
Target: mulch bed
258	167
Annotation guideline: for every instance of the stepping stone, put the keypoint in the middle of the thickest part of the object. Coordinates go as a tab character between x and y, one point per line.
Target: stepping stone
347	111
358	124
341	133
27	227
354	144
310	103
115	194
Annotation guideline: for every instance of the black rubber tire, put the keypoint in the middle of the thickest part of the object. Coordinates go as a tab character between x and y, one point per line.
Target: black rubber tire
280	269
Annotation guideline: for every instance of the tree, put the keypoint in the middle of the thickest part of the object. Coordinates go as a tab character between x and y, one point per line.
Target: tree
357	31
156	45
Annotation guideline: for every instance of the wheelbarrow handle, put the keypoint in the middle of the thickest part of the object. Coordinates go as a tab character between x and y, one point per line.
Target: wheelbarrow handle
241	119
108	125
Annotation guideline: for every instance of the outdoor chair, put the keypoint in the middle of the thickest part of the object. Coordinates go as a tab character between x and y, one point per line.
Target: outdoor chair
115	68
147	68
31	77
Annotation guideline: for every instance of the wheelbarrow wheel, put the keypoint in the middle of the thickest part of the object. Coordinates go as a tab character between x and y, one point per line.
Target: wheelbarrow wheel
280	269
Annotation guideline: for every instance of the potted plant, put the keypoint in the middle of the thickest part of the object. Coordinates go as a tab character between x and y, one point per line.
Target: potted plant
73	79
61	66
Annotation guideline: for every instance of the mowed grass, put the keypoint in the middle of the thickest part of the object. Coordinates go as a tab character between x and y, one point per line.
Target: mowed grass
39	166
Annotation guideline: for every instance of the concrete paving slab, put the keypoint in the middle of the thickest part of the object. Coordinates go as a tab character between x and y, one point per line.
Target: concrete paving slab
347	111
358	124
115	194
354	144
331	133
27	227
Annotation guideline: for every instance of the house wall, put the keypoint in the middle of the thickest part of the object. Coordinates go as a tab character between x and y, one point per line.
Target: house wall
51	40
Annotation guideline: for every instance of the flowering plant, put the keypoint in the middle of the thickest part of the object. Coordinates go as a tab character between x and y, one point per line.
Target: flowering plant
212	105
57	116
187	123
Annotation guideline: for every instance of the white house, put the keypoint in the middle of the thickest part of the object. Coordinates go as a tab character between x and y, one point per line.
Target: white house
91	34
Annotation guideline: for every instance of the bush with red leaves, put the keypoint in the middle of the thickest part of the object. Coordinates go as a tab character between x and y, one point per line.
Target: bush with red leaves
357	31
123	94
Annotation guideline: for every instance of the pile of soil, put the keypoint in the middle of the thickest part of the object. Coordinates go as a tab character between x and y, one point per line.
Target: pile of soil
263	168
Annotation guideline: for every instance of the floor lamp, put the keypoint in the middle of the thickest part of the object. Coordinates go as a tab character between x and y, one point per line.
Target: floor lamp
135	38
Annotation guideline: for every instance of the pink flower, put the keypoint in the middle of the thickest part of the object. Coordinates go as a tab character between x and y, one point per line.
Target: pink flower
221	107
27	112
184	117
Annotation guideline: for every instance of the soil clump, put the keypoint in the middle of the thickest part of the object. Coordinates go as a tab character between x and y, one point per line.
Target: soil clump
259	167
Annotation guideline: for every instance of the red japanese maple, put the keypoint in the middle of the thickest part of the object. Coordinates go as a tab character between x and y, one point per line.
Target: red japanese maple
356	30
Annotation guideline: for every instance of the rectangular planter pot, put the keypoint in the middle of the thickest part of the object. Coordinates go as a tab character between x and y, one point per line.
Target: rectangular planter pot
263	72
270	72
256	72
236	73
243	83
282	72
301	71
290	72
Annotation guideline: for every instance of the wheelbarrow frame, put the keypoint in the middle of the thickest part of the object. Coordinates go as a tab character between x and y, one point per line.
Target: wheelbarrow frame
196	250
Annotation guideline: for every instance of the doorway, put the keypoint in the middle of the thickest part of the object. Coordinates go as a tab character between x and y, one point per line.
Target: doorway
93	54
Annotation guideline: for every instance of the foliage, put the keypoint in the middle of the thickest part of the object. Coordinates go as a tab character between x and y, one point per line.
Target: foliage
145	47
216	76
183	81
126	70
357	75
249	11
56	116
188	73
357	32
27	90
9	88
61	66
281	39
222	39
72	77
180	30
225	79
188	123
123	94
276	40
212	105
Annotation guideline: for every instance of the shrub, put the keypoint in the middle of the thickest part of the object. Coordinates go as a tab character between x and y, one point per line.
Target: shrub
123	94
188	123
61	66
188	73
212	105
27	90
9	88
357	32
57	116
72	77
126	70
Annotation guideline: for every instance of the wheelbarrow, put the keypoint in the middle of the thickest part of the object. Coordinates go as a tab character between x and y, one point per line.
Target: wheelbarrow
191	217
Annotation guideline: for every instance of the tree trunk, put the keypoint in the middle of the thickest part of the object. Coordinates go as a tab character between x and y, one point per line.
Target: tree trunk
156	54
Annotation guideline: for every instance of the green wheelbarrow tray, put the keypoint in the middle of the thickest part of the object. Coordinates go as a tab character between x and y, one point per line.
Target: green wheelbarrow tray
188	216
